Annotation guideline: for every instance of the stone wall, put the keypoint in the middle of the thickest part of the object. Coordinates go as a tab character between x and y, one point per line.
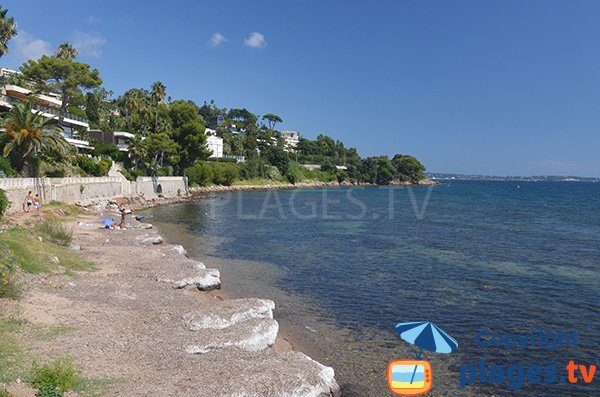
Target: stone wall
73	190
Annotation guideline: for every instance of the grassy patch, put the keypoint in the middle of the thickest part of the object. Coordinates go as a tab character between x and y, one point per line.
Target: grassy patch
60	374
55	232
13	360
63	209
36	256
8	279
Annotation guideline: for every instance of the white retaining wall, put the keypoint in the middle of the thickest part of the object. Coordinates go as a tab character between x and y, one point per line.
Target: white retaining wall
73	190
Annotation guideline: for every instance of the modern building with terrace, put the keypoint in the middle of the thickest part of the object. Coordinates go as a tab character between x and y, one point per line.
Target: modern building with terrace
48	104
120	138
291	139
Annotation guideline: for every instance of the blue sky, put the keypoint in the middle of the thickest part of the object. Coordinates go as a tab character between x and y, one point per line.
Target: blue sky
486	87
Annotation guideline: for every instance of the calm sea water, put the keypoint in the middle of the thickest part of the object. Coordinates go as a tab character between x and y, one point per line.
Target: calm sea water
346	265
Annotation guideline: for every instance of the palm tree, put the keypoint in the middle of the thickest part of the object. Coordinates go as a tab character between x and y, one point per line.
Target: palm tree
7	30
132	103
137	150
27	133
159	91
66	51
145	112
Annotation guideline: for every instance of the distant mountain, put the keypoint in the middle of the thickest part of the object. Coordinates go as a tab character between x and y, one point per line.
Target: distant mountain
556	178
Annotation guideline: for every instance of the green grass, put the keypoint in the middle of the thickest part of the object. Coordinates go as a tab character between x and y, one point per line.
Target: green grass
16	362
60	374
13	360
36	256
55	231
63	209
9	287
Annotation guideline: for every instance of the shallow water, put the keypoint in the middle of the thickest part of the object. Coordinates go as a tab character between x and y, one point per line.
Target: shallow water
345	265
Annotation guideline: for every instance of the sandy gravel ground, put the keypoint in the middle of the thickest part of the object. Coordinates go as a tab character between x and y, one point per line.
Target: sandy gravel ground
126	326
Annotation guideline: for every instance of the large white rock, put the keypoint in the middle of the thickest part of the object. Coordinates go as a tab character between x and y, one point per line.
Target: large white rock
175	250
149	239
252	335
223	314
267	373
203	279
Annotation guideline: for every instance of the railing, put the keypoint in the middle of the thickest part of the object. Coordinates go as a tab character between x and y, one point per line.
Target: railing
46	109
240	159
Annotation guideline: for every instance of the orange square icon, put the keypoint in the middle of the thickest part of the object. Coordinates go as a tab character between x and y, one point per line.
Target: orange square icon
409	377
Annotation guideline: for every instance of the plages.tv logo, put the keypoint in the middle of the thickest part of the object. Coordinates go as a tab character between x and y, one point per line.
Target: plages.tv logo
415	377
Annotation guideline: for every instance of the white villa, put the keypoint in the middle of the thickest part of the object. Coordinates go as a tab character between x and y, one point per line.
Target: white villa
214	143
291	138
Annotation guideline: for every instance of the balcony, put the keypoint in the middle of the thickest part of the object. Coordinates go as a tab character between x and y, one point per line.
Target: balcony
47	111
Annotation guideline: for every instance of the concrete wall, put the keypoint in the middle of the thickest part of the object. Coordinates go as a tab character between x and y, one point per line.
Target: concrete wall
168	186
73	190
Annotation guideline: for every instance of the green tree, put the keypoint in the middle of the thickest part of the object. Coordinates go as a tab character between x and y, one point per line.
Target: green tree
188	132
92	110
278	157
63	76
138	151
272	119
385	171
158	147
408	167
7	30
27	133
66	51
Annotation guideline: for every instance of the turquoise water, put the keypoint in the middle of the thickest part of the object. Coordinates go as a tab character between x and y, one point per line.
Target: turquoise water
346	265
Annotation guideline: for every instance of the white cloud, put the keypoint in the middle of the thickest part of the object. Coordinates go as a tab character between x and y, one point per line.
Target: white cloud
92	20
255	40
89	44
217	39
25	46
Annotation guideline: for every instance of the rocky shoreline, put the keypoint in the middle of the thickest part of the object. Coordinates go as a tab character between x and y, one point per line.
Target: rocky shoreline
303	185
198	192
154	319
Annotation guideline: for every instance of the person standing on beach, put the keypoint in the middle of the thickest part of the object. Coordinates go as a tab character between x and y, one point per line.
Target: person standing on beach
123	214
28	201
36	202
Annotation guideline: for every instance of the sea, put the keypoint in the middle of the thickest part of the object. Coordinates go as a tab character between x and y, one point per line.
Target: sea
509	269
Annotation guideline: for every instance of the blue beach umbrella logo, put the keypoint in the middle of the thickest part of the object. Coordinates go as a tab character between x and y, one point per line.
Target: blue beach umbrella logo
414	377
426	336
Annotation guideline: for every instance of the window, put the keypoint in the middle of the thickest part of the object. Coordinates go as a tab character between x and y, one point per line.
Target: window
67	131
